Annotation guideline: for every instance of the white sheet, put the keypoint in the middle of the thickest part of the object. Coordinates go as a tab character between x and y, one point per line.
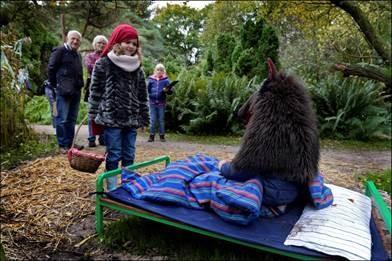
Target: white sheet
341	229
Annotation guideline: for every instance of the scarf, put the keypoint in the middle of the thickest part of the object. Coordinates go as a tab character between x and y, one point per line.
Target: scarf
125	62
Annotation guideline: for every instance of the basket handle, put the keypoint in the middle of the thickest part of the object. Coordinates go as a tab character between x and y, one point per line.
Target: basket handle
77	131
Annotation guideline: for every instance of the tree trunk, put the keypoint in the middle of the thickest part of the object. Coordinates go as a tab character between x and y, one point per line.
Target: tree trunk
62	22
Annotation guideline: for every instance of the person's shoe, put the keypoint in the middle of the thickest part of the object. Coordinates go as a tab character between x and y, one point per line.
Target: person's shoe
92	144
79	147
101	141
63	150
162	138
151	139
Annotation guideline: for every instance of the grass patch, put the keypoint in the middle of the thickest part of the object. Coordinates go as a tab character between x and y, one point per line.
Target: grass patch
356	145
39	146
212	140
143	237
325	143
381	179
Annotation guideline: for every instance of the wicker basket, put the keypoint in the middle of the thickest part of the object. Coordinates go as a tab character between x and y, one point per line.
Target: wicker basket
82	160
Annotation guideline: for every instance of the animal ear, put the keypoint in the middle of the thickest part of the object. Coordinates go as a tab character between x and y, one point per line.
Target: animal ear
271	69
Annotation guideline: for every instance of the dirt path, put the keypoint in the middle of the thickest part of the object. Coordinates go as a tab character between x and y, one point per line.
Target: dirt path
52	226
342	167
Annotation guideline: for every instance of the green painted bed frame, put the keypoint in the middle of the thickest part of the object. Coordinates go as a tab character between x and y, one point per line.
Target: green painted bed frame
102	202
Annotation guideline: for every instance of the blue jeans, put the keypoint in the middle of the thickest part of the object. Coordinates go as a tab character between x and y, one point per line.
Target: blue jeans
67	113
157	116
120	145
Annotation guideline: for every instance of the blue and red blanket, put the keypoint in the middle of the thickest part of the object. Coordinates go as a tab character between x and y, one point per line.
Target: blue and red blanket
195	182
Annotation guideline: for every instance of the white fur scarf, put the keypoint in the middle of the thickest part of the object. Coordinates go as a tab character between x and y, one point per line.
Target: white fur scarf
125	62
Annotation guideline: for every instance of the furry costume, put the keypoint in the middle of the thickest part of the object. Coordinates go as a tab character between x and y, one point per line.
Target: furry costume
281	138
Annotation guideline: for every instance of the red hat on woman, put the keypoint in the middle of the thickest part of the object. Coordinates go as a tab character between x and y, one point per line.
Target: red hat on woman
121	33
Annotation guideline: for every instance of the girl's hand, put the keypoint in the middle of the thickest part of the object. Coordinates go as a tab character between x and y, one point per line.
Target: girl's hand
220	163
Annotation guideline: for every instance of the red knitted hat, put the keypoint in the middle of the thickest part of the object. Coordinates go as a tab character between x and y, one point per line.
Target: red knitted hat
121	33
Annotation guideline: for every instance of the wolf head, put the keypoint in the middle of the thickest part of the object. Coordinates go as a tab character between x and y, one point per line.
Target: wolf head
281	137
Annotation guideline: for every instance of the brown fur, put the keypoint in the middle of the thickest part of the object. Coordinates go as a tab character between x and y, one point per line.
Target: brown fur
281	138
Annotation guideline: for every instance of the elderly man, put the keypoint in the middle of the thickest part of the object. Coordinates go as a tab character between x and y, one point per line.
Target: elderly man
65	74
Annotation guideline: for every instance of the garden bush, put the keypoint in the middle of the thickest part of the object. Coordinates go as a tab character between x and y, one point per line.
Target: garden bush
38	111
351	108
207	104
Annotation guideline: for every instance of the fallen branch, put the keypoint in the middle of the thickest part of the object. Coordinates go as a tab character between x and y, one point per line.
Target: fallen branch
85	240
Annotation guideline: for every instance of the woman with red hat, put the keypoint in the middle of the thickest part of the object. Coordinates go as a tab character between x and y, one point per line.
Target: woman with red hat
118	97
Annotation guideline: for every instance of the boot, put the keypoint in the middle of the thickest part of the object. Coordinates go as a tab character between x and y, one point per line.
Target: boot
101	140
151	139
162	138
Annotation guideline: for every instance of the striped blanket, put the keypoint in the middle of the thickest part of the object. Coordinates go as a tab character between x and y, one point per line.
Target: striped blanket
195	182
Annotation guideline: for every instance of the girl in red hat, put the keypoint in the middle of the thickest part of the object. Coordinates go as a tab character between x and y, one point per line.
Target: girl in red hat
118	97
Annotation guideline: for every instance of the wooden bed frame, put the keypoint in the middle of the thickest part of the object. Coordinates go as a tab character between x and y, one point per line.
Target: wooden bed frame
104	202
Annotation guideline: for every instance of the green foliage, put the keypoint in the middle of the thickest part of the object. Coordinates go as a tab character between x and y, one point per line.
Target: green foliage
356	145
172	64
151	42
227	17
229	140
258	42
35	52
350	108
140	237
235	56
13	128
148	66
180	26
210	62
203	104
251	32
36	56
36	146
225	44
381	179
38	111
246	63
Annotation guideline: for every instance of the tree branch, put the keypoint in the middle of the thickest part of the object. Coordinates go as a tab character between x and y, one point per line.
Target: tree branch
367	29
87	22
370	71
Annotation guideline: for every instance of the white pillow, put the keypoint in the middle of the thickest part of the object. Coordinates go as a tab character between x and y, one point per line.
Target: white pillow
341	229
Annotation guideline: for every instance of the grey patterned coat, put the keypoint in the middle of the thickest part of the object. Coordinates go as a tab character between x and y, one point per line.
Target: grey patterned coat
118	98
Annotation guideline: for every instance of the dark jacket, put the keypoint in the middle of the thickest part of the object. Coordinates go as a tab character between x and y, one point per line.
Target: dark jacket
156	94
118	98
276	191
65	71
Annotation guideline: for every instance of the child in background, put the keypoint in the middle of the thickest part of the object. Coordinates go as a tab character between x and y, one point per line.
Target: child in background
157	90
99	44
118	97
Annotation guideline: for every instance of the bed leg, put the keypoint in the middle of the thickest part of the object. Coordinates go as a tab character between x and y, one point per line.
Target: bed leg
99	219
